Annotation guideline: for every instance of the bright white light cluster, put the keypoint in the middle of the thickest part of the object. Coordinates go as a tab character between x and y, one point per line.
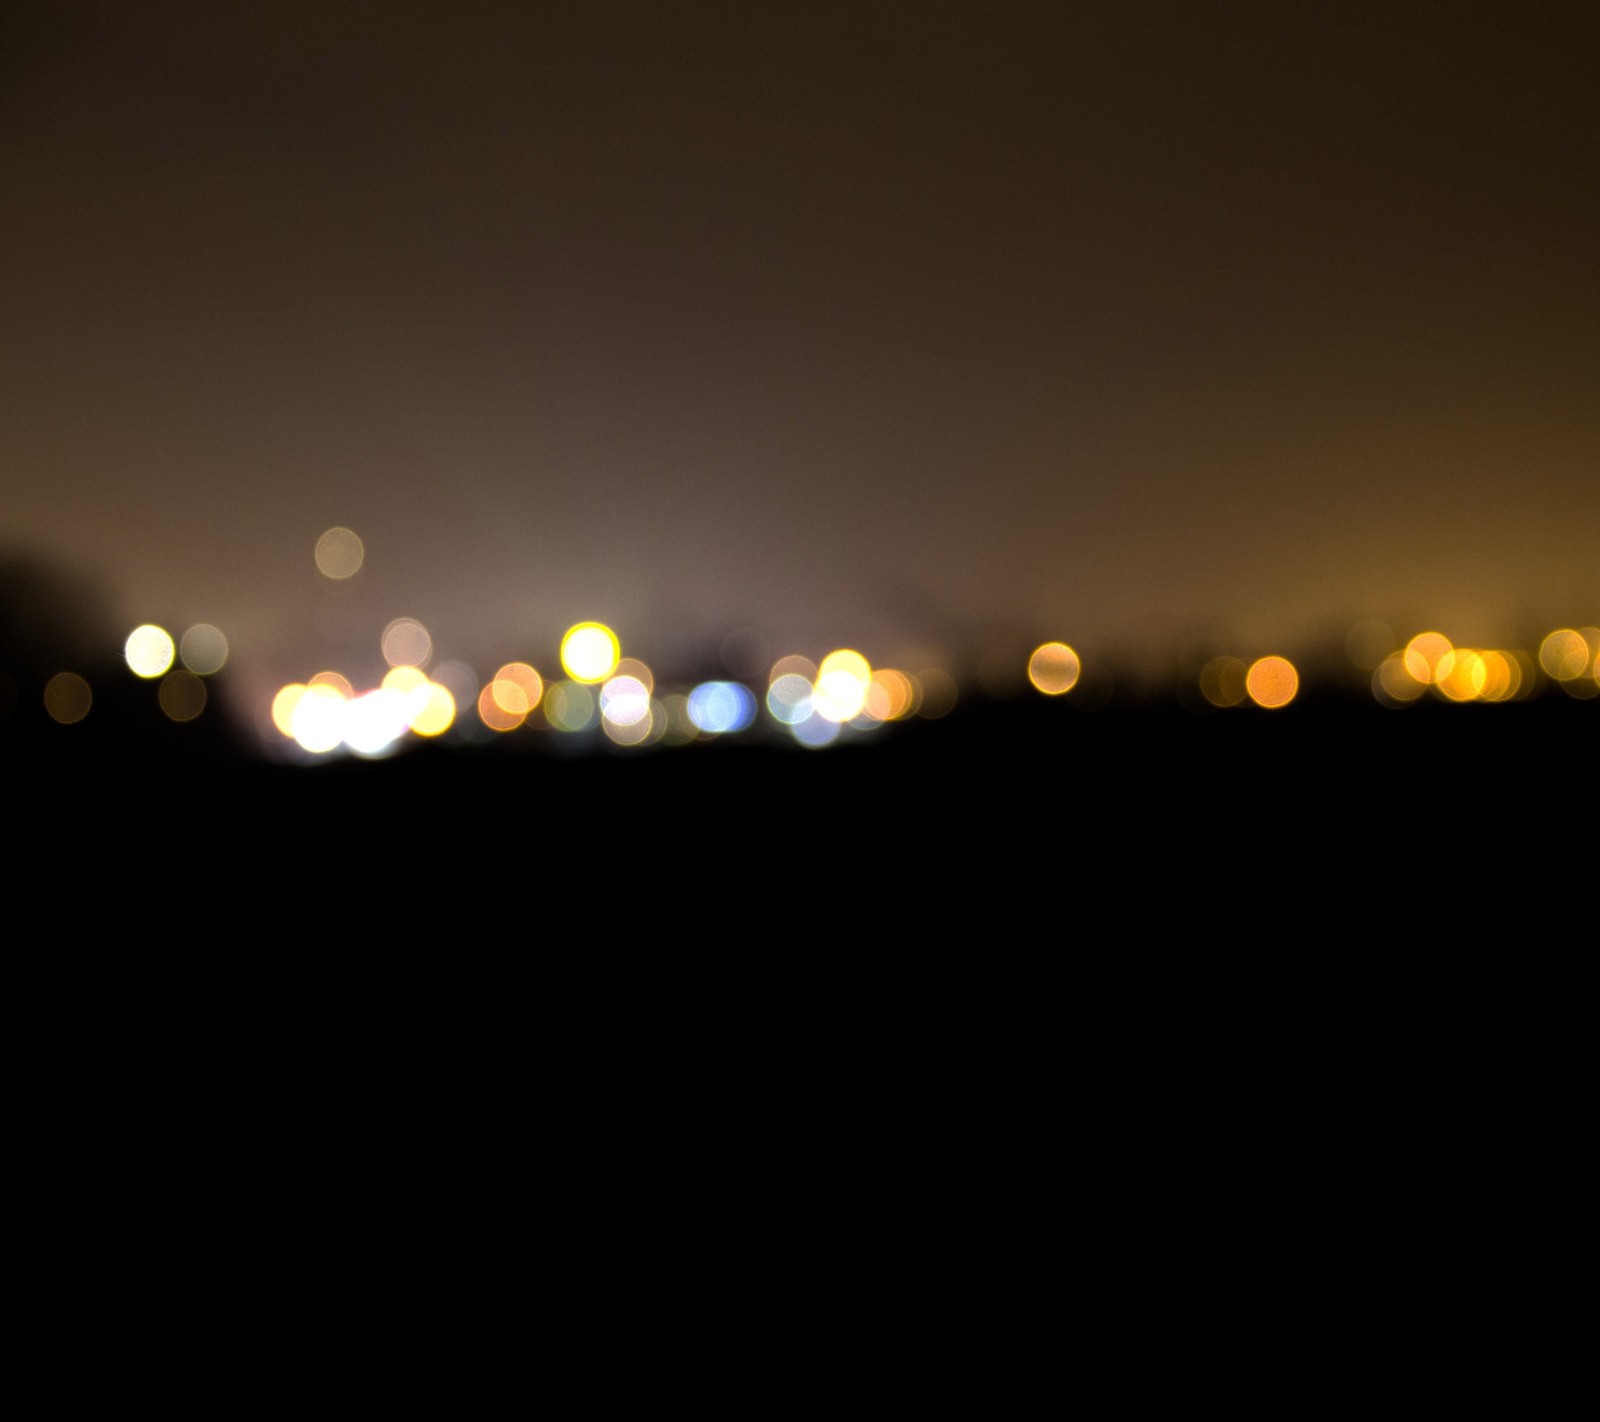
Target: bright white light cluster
815	703
327	713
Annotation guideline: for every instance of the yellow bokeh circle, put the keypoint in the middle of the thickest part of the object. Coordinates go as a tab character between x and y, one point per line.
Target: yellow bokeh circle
590	652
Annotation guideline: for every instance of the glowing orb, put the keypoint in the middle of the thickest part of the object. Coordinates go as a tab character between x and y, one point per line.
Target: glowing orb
1054	668
1272	682
589	652
339	554
149	650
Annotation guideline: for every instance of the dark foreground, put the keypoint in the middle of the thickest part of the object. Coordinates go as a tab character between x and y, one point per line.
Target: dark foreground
1025	1025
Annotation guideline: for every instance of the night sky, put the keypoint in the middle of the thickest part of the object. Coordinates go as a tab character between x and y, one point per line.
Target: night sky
895	326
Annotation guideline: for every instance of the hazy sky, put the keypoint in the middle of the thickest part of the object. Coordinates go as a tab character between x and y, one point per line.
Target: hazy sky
886	324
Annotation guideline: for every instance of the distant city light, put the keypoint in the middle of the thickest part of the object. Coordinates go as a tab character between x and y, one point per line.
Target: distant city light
339	554
283	705
893	695
1429	656
589	652
677	728
624	701
1222	681
569	706
721	707
816	732
792	666
812	703
375	721
182	695
1564	655
1393	684
437	712
1054	668
629	718
317	722
459	679
411	684
149	651
407	643
495	713
789	699
336	681
516	688
1272	682
203	649
67	698
632	666
1467	678
841	686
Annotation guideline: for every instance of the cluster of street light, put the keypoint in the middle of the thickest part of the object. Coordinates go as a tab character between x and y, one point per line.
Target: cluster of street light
152	654
815	703
812	703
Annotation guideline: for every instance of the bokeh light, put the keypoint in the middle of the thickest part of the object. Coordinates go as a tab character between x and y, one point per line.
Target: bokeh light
182	695
1467	678
494	713
317	721
430	707
886	700
841	686
67	698
677	727
1054	668
569	706
458	679
411	684
793	666
590	652
375	721
516	688
1565	655
1393	684
624	701
632	666
437	713
816	732
1429	656
1223	681
721	707
149	651
642	728
1501	676
893	695
1272	682
1591	635
407	643
335	681
339	554
203	649
283	704
789	698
